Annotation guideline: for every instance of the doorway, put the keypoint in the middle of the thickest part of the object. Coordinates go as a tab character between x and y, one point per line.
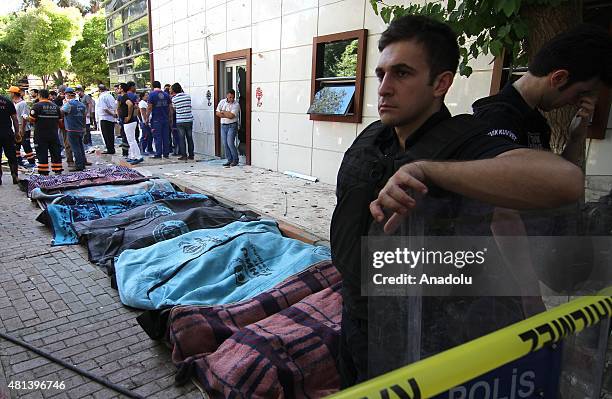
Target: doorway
232	71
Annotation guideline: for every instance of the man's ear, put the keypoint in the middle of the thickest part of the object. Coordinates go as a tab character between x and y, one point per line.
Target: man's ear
558	78
442	83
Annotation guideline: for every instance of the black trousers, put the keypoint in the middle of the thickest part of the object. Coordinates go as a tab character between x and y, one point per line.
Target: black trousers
87	135
45	143
7	144
108	133
27	147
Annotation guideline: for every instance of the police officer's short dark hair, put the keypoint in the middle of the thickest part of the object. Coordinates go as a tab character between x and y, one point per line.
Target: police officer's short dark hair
585	52
53	92
156	85
44	93
438	40
232	92
123	86
176	87
131	84
35	91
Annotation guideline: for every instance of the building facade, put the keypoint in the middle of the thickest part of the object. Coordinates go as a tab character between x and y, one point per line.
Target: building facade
276	54
128	38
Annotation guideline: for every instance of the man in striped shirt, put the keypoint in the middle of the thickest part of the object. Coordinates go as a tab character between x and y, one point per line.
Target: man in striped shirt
181	106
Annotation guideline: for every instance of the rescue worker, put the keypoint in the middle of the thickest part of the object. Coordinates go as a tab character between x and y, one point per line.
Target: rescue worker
24	136
74	113
160	109
46	117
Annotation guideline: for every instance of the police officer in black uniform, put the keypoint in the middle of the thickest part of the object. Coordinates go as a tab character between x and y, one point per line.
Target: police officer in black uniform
8	126
46	117
418	60
570	69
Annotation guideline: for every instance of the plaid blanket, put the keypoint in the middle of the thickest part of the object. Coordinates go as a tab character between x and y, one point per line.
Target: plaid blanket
291	354
91	177
282	343
201	329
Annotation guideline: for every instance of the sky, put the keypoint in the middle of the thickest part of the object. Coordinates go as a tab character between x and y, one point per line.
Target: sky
8	6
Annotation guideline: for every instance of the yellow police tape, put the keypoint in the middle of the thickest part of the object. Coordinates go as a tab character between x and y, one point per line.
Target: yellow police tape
463	363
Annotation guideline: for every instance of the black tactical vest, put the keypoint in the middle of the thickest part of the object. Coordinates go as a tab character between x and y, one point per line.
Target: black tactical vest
365	170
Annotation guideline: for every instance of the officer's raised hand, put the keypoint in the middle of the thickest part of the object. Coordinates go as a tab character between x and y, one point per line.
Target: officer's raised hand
395	198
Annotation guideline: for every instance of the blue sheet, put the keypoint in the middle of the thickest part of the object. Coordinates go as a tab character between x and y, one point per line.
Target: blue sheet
212	266
68	209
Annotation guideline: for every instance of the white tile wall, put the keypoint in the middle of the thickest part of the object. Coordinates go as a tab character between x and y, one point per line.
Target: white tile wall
198	98
351	12
265	66
371	55
239	39
306	21
216	19
197	51
265	10
166	14
264	154
165	37
295	129
196	26
181	75
180	31
213	3
291	6
181	54
195	6
296	63
239	14
325	165
333	136
198	120
208	123
155	19
270	99
267	35
197	74
370	99
180	10
295	96
264	126
295	159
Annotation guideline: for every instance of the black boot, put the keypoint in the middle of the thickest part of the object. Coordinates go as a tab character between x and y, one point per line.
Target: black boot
14	173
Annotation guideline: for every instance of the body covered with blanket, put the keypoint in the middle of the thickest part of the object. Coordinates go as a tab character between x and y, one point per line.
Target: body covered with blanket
212	266
151	223
68	209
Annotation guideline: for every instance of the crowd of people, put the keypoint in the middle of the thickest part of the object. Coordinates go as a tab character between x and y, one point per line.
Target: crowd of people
57	124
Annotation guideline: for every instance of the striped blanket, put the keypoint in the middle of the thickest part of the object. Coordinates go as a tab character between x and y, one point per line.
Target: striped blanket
282	343
91	177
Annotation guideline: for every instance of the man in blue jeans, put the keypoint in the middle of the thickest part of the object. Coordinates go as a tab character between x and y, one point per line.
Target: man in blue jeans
74	121
159	110
228	110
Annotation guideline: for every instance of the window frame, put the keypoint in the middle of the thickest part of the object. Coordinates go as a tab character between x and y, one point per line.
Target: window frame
318	43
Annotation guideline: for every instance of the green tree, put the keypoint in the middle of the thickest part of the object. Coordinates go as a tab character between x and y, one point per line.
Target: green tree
43	37
517	27
10	70
88	54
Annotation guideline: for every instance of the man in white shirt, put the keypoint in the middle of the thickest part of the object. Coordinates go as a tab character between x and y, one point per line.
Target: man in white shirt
105	113
228	110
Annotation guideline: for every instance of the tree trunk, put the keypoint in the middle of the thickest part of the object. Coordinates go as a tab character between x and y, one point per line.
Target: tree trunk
544	23
45	79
